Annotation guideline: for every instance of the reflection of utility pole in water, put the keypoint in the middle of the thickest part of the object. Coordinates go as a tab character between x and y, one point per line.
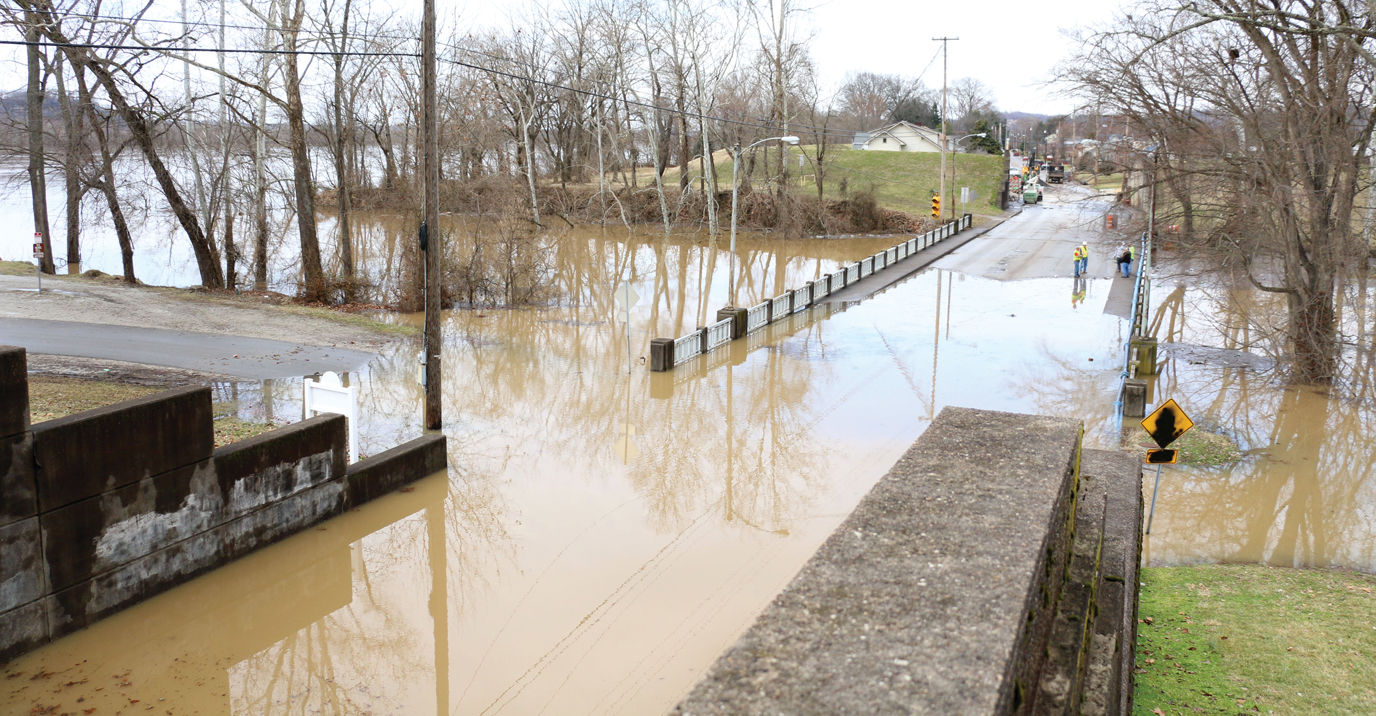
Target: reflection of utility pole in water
439	600
727	496
936	342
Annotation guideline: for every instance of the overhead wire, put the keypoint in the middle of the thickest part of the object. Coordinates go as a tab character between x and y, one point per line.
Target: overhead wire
813	130
819	132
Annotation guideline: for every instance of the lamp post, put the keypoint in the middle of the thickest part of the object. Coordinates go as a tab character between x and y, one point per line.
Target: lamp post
954	184
735	189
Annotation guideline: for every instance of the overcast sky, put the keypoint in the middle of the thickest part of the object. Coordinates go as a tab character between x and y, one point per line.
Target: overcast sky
1009	45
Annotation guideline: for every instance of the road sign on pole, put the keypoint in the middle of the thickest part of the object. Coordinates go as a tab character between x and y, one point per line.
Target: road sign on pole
1167	423
1164	425
38	254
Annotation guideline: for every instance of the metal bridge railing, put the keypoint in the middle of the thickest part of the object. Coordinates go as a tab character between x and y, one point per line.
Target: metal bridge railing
757	317
791	303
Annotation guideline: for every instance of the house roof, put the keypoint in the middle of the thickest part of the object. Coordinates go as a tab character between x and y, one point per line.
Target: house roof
926	133
885	132
903	123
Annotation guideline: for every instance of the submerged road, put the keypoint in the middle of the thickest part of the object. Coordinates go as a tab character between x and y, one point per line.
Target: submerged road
603	536
1038	242
235	356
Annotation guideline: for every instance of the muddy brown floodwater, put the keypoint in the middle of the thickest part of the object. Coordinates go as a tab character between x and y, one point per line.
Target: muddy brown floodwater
603	534
1304	495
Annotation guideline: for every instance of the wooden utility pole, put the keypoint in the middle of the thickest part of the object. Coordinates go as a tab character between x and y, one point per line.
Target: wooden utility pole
430	226
944	43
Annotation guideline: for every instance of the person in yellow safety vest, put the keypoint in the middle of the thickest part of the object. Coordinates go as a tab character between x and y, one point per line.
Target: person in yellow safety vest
1081	256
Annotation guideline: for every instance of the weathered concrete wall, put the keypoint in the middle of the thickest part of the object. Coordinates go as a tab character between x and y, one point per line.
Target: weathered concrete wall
968	577
106	508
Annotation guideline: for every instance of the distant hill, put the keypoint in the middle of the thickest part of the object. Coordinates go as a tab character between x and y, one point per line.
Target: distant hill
14	105
1014	116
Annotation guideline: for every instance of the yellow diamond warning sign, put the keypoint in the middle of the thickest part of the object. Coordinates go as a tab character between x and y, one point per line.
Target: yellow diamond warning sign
1167	423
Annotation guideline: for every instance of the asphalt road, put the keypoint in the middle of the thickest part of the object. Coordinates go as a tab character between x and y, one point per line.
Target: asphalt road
236	356
1038	242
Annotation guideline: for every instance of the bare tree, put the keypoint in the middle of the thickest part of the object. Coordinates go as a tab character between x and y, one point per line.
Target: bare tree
1260	113
48	23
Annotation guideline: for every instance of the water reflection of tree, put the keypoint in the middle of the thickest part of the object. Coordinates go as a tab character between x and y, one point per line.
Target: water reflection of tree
1306	497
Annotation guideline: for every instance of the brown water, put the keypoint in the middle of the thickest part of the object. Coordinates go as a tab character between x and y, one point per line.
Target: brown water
602	534
1305	494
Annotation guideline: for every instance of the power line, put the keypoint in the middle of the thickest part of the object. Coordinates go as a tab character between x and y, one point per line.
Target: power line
816	131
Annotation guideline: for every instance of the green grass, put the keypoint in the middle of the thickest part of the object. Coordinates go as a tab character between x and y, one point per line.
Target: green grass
16	268
1251	638
1198	447
53	397
902	181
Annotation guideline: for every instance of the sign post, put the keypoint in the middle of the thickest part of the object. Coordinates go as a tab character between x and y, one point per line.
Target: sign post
38	254
627	297
1164	425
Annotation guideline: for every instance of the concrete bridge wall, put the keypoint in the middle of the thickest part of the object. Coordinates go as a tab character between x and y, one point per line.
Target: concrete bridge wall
103	509
993	570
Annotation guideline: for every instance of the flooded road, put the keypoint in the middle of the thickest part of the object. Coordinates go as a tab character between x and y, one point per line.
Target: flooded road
600	536
603	534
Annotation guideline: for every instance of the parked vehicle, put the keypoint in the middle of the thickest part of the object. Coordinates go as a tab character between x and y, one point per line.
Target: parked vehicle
1055	173
1032	193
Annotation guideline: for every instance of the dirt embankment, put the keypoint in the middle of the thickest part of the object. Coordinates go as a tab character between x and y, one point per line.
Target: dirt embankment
758	210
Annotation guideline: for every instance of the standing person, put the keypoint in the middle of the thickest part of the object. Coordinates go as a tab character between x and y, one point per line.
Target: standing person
1084	257
1076	256
1124	258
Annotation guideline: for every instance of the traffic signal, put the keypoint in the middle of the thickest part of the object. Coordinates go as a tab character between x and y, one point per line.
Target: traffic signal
936	206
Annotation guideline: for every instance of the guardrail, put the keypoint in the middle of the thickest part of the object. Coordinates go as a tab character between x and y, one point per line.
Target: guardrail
1141	302
734	323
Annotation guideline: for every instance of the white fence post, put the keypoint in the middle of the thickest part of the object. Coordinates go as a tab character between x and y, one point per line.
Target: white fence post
329	395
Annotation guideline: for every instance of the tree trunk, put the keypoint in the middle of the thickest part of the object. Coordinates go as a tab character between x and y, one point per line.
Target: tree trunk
106	184
38	184
530	166
260	180
342	183
312	275
71	170
231	256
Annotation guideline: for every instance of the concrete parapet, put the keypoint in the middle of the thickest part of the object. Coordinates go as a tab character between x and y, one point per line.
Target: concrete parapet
1134	398
405	463
1121	475
82	455
103	509
738	318
971	579
14	391
18	499
1145	346
661	354
918	601
274	465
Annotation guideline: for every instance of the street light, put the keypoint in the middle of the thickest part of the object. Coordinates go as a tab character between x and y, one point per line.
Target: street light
735	189
953	161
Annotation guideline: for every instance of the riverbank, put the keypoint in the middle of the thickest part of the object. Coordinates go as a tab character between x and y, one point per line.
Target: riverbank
1255	639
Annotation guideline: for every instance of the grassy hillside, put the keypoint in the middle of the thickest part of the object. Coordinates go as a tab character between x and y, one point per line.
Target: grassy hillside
903	181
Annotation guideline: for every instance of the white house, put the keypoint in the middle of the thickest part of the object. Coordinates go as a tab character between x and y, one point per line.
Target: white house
901	137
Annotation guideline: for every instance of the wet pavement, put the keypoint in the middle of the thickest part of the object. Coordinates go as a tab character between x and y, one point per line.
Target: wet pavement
234	356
